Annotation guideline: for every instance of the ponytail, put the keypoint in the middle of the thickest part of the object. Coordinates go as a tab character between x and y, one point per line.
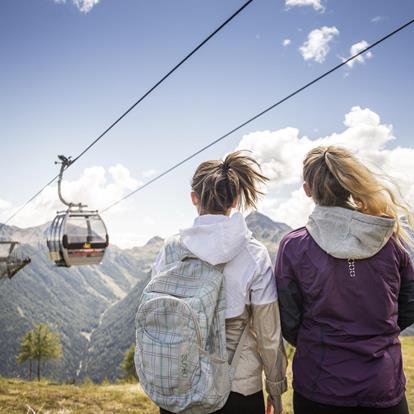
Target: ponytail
219	184
336	177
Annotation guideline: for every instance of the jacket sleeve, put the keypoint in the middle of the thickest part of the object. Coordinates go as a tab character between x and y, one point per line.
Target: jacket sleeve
266	325
406	295
290	296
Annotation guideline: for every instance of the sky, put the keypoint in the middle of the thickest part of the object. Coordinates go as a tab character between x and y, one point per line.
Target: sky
69	68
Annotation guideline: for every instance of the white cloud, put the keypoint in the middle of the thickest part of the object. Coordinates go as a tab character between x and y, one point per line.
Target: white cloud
4	204
356	48
377	19
293	210
317	45
96	187
84	6
149	173
286	42
316	4
281	154
148	220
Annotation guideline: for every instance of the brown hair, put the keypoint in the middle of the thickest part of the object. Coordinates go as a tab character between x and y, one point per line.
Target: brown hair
218	184
336	177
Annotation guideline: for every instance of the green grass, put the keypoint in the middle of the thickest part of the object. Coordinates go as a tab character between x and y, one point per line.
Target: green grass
46	397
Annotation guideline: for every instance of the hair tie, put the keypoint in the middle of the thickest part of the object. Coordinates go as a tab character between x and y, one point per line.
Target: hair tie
225	168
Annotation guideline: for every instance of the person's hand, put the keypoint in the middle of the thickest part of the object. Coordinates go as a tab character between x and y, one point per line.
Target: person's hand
269	405
274	406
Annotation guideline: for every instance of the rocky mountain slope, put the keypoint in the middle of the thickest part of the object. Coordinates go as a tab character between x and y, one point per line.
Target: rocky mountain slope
73	301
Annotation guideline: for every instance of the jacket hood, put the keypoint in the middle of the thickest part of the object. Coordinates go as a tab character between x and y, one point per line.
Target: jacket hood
216	239
349	234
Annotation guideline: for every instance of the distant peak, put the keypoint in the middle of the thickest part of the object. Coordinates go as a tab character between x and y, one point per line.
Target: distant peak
154	240
255	216
258	219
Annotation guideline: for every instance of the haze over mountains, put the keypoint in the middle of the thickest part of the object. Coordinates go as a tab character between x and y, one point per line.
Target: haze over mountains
93	308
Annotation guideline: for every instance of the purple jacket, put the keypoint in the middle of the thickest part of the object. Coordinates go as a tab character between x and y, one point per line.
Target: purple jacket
346	290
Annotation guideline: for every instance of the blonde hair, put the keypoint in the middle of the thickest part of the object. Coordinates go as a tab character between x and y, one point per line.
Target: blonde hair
219	184
335	177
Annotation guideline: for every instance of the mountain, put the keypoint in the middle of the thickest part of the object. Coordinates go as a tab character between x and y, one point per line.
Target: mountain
72	301
267	231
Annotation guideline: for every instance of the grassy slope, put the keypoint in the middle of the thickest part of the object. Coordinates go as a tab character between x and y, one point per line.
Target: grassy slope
47	398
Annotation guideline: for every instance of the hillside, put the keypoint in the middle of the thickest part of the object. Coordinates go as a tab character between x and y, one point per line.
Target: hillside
72	301
46	397
116	332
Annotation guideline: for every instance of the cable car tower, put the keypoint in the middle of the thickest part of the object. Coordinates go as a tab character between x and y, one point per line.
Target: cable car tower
76	236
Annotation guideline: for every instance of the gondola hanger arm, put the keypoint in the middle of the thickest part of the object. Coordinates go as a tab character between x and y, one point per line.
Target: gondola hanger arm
65	162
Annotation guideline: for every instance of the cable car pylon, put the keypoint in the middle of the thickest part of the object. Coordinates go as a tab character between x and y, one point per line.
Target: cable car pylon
76	236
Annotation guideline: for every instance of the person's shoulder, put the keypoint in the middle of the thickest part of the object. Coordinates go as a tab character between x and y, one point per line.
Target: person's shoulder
398	249
258	252
295	236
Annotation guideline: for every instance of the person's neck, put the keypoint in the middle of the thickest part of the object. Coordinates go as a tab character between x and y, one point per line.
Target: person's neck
215	213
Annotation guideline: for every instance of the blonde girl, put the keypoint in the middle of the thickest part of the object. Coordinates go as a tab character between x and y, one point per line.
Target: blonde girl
346	290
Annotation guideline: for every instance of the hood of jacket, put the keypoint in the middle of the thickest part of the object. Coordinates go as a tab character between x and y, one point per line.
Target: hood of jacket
216	238
349	234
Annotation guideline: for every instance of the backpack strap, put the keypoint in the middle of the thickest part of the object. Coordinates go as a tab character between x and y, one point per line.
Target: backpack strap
188	256
239	348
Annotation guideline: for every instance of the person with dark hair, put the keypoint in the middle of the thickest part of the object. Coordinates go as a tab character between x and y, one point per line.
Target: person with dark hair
346	290
251	322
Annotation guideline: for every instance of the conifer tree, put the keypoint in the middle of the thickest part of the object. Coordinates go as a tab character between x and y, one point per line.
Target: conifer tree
128	364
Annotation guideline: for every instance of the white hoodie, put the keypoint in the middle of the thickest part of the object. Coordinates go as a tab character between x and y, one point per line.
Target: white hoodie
251	297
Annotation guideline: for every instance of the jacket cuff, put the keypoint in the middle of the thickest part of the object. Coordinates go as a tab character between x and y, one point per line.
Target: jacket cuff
277	405
276	388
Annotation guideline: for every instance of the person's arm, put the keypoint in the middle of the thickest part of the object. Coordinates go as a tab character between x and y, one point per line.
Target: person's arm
290	296
266	325
158	263
406	295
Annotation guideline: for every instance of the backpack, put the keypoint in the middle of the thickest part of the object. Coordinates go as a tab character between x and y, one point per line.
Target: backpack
181	357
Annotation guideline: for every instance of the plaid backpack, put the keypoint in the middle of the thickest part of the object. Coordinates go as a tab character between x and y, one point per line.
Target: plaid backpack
181	357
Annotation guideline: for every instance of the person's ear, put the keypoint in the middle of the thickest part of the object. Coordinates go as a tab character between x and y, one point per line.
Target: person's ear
307	189
195	200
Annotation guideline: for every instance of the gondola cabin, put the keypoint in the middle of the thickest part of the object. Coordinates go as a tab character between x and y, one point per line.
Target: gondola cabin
10	261
77	238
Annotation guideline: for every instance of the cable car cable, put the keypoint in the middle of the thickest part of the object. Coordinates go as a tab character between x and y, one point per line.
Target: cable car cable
253	118
145	95
29	201
163	79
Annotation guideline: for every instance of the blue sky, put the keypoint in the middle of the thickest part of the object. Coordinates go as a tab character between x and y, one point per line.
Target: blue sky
67	74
